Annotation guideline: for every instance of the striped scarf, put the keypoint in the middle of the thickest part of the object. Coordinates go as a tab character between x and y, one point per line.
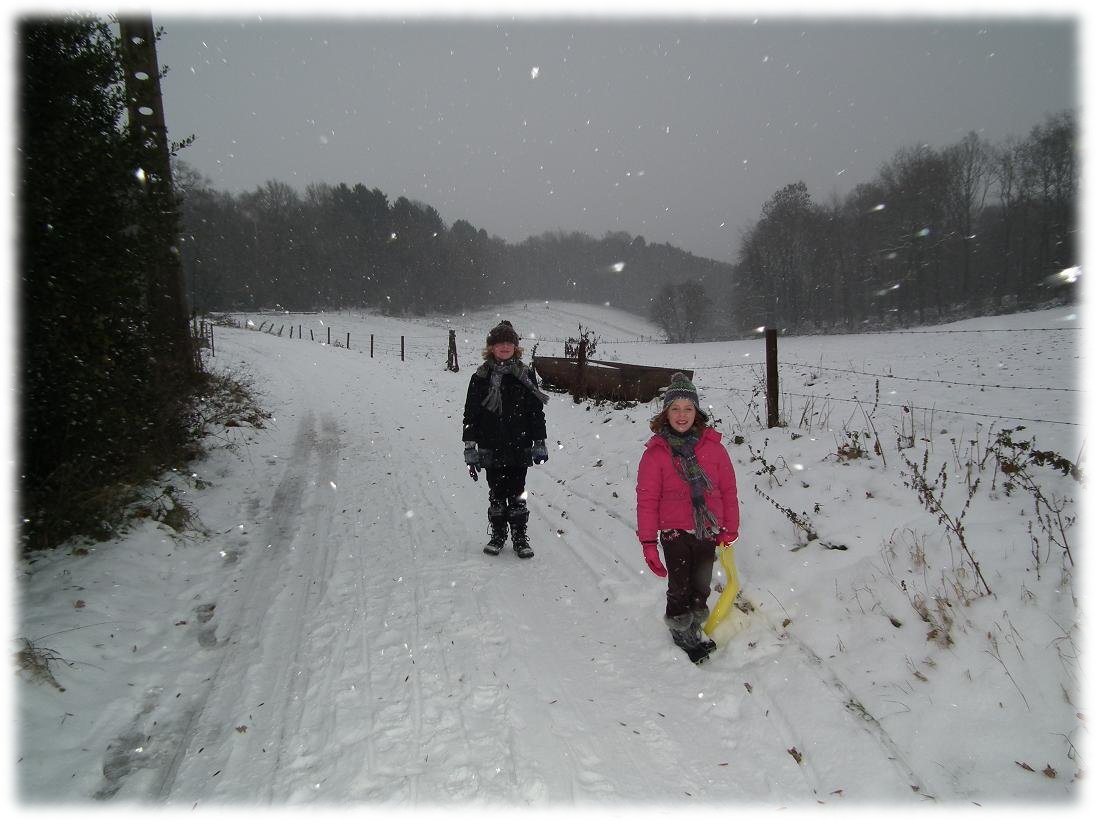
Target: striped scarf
683	449
496	370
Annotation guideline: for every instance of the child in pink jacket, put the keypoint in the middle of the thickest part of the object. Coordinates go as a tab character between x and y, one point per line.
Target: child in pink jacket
687	494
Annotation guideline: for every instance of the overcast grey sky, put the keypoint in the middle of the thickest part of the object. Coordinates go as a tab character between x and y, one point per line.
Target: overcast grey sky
678	129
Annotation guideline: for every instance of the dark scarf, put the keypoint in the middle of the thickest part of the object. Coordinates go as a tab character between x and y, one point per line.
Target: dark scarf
496	370
683	449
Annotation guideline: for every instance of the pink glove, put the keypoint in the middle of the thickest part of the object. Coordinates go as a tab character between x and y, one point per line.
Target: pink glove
653	560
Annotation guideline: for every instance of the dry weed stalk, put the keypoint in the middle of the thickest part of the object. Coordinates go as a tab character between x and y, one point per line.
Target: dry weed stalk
931	496
37	662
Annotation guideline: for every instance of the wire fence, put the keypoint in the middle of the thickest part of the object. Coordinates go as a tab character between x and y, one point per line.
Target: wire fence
906	407
881	331
438	346
812	368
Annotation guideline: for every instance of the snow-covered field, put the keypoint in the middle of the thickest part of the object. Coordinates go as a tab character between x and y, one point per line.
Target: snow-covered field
331	634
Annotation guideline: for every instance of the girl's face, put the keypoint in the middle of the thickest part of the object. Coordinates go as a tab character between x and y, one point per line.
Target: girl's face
502	350
682	415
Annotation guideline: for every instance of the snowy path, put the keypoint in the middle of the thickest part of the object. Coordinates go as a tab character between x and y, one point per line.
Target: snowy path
327	631
366	649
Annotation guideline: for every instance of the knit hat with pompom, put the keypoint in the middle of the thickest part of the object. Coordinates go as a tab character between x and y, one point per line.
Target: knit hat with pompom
503	332
680	388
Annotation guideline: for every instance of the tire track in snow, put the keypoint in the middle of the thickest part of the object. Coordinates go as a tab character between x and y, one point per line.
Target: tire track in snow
426	610
284	496
349	714
787	679
550	507
299	727
241	679
871	725
402	727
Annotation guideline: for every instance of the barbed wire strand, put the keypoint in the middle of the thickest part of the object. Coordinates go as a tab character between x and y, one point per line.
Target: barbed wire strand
925	379
904	406
910	408
661	340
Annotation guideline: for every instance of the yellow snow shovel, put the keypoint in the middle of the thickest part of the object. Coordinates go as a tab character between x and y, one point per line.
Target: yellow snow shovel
725	554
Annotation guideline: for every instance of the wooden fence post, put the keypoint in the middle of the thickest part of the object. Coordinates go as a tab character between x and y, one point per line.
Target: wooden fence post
328	334
454	362
347	340
371	346
772	362
402	349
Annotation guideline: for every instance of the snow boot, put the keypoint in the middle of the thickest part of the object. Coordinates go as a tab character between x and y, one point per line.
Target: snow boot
518	522
698	618
497	537
681	630
520	543
496	515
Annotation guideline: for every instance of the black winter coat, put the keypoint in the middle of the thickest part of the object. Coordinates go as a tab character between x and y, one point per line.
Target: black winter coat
511	433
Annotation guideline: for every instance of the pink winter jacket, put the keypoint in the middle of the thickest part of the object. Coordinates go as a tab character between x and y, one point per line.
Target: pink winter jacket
663	498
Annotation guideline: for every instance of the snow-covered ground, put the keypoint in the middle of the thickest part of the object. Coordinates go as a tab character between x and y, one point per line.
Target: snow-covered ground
330	633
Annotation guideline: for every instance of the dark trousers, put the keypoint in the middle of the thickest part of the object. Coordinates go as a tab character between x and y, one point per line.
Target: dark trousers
507	486
689	561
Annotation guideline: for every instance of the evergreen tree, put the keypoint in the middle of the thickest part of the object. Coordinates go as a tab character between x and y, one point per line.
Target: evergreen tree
89	405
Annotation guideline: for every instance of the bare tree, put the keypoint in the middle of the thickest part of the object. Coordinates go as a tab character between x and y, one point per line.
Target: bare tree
970	164
915	185
1048	179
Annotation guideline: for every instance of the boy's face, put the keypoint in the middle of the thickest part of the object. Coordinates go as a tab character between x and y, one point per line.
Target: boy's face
502	350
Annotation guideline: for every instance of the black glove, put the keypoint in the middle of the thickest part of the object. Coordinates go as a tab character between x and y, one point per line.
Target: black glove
477	459
471	459
539	452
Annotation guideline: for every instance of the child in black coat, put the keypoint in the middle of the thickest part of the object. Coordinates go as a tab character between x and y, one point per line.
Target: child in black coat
504	433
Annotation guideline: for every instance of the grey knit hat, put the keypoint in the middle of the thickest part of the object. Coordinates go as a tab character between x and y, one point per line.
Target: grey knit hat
503	332
680	388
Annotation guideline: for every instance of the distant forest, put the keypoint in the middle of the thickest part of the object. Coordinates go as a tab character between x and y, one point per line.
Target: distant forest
972	228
